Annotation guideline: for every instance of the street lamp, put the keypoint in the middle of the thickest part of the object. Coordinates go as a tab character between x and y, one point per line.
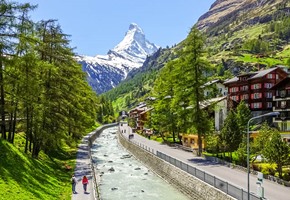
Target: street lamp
248	144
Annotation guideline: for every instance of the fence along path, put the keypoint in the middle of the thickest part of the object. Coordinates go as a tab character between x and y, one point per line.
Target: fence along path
230	181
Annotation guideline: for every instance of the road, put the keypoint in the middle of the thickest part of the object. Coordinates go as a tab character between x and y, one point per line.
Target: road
273	191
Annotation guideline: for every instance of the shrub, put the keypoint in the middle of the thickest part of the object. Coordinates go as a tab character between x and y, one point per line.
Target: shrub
268	169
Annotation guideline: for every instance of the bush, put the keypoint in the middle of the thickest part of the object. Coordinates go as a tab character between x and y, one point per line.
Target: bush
268	169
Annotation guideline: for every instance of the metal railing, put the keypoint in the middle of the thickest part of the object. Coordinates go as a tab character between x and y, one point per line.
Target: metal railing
224	186
231	190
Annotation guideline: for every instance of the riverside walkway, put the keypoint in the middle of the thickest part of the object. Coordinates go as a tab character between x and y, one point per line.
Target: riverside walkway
84	168
273	191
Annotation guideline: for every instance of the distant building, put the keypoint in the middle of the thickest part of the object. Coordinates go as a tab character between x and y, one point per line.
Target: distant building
140	115
215	88
255	88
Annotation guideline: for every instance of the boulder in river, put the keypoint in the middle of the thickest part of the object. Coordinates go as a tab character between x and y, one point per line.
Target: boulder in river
111	169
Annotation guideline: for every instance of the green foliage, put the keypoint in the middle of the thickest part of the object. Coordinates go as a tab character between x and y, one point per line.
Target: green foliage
22	177
213	143
243	114
105	111
277	151
231	135
41	82
256	46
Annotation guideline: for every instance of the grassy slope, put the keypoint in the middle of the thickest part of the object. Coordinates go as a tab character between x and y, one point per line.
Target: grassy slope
22	177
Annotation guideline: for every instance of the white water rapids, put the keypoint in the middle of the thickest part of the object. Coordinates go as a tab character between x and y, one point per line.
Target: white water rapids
125	178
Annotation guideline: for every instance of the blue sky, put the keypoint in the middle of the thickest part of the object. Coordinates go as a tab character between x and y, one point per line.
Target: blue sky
96	26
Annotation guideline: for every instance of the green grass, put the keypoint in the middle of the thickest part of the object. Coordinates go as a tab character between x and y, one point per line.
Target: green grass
22	177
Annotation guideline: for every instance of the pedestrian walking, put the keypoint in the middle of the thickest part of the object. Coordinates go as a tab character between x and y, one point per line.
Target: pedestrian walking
85	182
74	183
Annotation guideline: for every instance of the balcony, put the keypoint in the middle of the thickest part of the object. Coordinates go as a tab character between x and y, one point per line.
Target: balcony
283	95
281	119
280	109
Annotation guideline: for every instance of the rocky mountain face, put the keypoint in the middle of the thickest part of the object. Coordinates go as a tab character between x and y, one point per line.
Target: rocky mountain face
107	71
244	12
235	32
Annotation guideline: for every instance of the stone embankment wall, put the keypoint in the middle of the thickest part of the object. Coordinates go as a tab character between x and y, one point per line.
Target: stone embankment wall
184	182
90	139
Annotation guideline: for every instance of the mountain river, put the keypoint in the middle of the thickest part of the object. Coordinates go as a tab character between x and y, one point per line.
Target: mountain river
125	178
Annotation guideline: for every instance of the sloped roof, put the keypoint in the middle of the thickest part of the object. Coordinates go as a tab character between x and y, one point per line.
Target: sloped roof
262	73
231	80
145	111
209	102
212	82
281	83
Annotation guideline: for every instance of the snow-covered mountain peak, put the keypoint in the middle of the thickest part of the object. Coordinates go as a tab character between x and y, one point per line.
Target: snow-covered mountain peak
136	28
107	71
135	44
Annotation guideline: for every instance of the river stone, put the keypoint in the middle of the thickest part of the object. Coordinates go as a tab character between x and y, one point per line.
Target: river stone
111	169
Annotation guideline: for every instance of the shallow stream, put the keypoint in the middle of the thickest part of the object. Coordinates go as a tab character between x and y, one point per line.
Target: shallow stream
125	178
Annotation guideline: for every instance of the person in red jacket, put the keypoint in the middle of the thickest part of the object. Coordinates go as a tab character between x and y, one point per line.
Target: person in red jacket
85	182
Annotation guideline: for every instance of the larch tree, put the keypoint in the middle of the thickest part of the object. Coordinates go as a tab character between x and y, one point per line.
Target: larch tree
191	74
163	117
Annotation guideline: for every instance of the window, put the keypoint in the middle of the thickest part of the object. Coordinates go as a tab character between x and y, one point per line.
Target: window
268	85
245	96
269	76
283	93
234	89
244	88
283	115
256	105
257	95
277	76
268	95
283	104
192	141
269	104
256	86
235	98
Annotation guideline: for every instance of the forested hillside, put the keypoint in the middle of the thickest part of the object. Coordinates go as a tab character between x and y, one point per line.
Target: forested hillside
46	106
239	36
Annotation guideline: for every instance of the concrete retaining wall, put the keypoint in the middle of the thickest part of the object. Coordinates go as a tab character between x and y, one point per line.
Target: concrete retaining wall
184	182
91	138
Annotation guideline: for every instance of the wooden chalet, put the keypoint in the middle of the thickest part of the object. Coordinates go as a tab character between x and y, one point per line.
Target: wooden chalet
255	88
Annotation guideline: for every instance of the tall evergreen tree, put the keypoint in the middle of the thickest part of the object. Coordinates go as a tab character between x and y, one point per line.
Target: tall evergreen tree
191	73
230	134
163	117
243	116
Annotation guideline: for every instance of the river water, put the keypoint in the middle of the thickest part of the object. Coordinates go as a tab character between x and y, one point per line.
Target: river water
125	178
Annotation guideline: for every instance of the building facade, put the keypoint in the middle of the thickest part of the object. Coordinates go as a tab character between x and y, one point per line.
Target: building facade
281	103
255	89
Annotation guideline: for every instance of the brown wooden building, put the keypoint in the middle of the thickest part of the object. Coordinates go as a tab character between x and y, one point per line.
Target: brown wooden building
255	88
281	103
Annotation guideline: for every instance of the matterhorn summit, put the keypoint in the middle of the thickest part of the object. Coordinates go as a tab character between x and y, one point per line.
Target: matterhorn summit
106	71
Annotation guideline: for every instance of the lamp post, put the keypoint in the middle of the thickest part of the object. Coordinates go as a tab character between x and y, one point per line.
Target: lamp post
248	144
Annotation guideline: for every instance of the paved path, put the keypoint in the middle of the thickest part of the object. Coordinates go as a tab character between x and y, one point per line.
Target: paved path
83	167
273	191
